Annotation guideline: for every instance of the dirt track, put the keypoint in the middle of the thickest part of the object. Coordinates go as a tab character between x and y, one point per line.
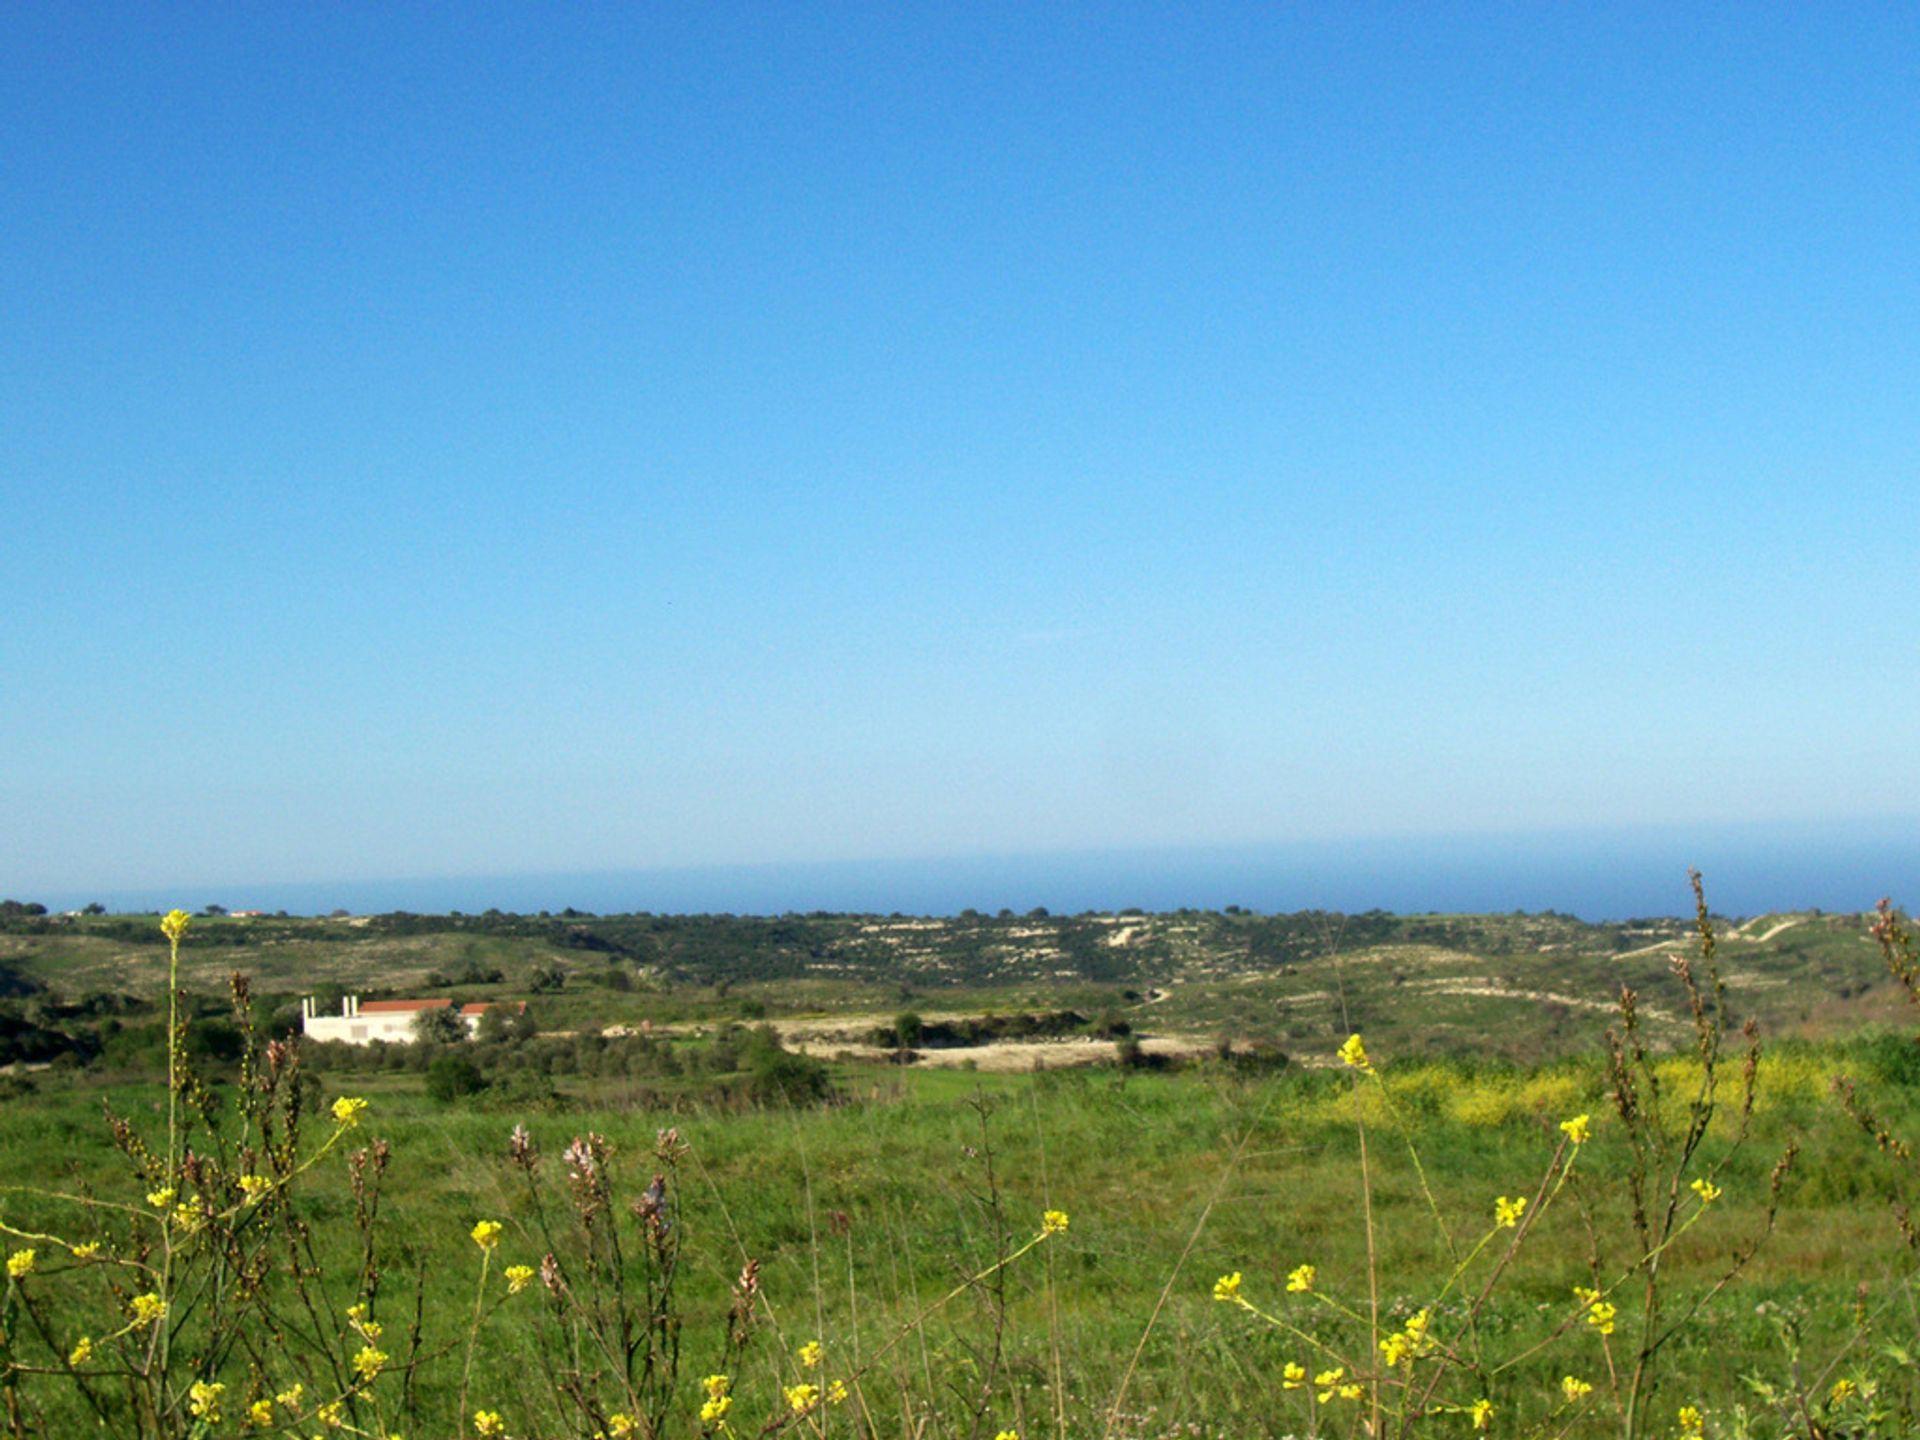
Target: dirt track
1003	1056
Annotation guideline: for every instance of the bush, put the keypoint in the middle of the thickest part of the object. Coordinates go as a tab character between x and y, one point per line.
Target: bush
777	1076
450	1077
524	1089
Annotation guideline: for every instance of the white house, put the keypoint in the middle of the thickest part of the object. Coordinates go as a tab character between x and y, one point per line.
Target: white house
359	1024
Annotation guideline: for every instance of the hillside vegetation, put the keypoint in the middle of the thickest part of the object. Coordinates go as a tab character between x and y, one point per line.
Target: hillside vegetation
1521	987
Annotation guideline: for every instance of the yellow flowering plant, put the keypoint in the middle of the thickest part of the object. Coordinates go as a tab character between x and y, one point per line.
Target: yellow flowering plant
1411	1365
183	1335
152	1329
1408	1371
1666	1150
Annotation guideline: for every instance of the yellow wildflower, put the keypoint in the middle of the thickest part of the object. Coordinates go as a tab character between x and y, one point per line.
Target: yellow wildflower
487	1424
1843	1390
1600	1315
160	1199
82	1353
1482	1413
715	1410
1412	1341
174	924
371	1329
1706	1190
367	1362
20	1264
260	1413
1327	1379
1354	1053
1351	1391
186	1217
487	1234
1007	1435
837	1393
802	1398
1300	1278
347	1110
1053	1222
329	1413
1507	1212
1575	1389
87	1251
147	1308
290	1397
809	1354
717	1386
255	1185
1227	1287
518	1278
1577	1128
203	1399
1293	1376
1691	1421
621	1426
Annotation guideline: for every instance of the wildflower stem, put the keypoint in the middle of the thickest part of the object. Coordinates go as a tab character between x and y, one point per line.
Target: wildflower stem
929	1311
1059	1372
1294	1330
1373	1256
473	1332
1582	1307
163	1331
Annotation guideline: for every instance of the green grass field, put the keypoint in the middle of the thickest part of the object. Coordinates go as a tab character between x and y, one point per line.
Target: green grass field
864	1212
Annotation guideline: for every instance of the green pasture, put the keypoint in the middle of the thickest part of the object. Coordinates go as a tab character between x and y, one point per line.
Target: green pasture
863	1213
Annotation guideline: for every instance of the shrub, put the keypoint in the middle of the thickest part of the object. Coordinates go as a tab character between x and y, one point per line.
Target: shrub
450	1077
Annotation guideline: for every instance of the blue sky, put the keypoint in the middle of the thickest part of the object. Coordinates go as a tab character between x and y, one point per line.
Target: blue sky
565	438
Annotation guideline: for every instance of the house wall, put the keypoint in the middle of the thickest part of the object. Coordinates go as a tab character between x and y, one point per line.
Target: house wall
355	1027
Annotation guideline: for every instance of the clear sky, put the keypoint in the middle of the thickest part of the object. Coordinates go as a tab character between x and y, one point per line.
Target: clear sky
479	440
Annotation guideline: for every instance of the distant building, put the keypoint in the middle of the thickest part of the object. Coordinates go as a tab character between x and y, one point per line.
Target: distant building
391	1020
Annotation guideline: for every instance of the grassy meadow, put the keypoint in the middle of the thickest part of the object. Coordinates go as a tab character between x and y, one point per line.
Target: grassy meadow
881	1221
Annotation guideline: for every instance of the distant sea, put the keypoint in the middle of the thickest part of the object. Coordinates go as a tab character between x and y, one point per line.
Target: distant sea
1595	874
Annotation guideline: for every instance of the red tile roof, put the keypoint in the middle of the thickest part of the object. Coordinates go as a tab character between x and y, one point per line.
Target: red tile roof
398	1007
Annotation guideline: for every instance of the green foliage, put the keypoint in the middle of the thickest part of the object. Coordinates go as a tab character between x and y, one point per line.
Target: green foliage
777	1076
470	973
1891	1058
451	1077
440	1025
507	1024
215	1043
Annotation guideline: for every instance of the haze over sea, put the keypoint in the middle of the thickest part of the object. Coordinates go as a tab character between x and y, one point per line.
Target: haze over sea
1594	874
